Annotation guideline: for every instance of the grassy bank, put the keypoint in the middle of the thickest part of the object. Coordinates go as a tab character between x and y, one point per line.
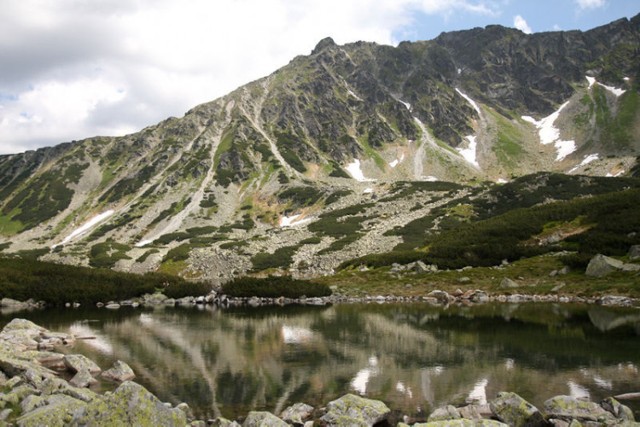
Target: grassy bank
55	284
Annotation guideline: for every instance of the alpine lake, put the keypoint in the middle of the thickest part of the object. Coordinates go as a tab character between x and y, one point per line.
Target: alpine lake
414	357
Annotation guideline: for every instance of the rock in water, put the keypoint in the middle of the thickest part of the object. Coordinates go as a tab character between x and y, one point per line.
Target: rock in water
78	362
512	409
569	408
130	404
120	371
601	265
263	419
351	410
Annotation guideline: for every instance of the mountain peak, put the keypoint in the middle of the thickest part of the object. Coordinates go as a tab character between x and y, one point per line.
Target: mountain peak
323	44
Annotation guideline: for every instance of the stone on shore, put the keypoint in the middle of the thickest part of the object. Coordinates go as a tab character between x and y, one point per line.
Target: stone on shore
458	423
601	265
119	372
352	410
129	404
567	408
297	414
263	419
512	409
634	252
444	413
82	379
620	411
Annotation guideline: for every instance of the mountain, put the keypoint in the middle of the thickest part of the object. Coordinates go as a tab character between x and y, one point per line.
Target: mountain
317	163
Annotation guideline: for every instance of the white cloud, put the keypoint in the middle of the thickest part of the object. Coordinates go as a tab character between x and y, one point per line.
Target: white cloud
590	4
73	69
520	23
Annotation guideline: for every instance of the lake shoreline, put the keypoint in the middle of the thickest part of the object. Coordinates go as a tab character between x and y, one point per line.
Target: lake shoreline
33	393
435	297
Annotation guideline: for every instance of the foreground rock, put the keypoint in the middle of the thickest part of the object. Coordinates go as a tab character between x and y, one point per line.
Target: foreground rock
352	410
515	411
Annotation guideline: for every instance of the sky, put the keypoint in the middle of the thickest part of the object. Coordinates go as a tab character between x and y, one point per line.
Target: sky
72	69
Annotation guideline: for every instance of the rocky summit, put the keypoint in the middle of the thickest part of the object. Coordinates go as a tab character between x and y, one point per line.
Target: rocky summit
333	155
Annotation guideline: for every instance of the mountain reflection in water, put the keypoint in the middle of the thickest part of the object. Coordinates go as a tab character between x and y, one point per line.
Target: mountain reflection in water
414	357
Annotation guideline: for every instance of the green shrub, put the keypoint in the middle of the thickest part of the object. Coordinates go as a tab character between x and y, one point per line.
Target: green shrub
274	287
57	284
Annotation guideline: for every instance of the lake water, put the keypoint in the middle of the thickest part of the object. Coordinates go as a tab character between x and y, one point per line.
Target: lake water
415	357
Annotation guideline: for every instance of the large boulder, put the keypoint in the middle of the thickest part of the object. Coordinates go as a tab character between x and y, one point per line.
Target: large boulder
620	411
512	409
55	410
351	410
297	414
567	408
130	404
79	363
119	372
634	252
444	413
263	419
601	265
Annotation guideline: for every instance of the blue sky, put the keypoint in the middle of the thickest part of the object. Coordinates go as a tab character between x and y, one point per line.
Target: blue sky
73	69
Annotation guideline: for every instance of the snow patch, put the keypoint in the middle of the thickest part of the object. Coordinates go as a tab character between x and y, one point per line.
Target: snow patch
470	101
396	162
86	226
356	172
368	191
614	90
626	79
501	181
550	134
614	175
406	104
293	220
352	93
587	159
469	153
142	243
429	178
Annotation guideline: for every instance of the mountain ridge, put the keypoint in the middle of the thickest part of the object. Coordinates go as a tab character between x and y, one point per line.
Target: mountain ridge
469	106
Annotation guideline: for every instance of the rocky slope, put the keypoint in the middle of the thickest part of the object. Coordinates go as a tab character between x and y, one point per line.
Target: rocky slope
310	161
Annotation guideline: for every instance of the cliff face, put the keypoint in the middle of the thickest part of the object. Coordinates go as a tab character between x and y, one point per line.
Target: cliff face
483	104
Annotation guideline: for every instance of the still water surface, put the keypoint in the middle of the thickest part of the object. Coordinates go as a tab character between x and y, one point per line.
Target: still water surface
225	362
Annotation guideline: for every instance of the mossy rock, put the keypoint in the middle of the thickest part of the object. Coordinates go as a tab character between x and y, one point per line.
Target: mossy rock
352	410
130	404
515	411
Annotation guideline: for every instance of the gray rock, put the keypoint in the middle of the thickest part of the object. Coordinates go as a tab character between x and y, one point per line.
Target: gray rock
112	306
57	412
442	296
634	252
297	414
79	362
461	423
129	404
601	265
154	299
620	411
352	410
512	409
507	283
223	422
120	372
184	407
568	408
8	302
263	419
82	378
444	413
475	412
